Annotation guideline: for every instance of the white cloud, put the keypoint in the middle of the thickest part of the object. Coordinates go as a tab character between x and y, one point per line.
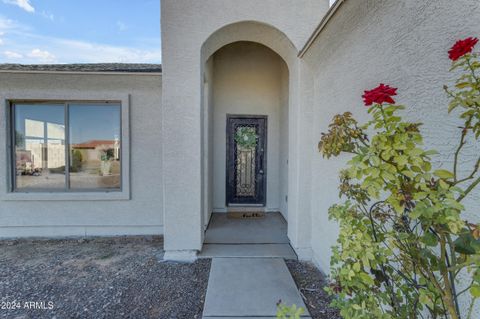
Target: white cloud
72	51
1	41
42	56
12	55
27	46
6	24
24	4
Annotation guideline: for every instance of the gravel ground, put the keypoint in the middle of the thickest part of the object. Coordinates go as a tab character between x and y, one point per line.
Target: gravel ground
311	282
98	278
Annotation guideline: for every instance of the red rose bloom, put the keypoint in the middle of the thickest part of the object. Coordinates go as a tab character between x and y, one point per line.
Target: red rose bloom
379	95
461	48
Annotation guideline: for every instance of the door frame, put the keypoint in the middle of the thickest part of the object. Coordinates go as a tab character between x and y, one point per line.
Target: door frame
265	159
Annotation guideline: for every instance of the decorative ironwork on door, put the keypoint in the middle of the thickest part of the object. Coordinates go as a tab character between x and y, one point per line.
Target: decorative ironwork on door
246	136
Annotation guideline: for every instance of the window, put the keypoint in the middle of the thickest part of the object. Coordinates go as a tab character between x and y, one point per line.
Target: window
47	136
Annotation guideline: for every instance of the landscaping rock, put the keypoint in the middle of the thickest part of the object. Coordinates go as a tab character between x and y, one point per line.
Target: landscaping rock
311	283
98	278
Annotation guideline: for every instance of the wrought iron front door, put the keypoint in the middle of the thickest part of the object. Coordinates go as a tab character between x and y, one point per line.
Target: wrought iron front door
246	160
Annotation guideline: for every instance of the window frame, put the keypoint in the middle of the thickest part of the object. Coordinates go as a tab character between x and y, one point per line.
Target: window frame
12	193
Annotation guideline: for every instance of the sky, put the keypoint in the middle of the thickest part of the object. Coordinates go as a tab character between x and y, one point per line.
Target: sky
86	122
80	31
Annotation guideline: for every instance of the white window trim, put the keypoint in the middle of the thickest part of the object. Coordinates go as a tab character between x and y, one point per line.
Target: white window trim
6	148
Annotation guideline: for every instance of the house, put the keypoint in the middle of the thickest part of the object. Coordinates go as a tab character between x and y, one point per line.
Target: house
231	119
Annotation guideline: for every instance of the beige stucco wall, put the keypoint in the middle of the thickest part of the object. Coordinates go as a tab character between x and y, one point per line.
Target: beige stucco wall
402	43
249	79
142	213
186	27
207	156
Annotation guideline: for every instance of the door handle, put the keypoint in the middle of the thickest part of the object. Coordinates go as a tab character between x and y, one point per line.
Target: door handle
260	158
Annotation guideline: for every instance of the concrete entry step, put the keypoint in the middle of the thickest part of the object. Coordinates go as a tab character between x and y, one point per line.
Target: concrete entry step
249	287
269	230
247	251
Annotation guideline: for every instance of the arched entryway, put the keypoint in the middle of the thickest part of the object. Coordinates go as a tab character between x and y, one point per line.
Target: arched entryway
248	127
247	96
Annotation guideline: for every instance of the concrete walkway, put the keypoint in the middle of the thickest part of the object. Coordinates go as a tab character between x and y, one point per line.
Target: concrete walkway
248	275
249	287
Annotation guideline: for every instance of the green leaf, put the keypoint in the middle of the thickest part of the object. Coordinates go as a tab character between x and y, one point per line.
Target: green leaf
430	239
425	299
443	173
442	184
466	244
463	85
475	291
430	152
452	106
408	174
356	267
402	160
366	278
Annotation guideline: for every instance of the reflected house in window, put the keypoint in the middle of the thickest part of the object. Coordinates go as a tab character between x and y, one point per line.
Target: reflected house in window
95	163
40	147
45	143
90	150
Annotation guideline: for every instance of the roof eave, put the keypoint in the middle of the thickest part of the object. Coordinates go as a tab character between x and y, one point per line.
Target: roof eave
323	23
83	72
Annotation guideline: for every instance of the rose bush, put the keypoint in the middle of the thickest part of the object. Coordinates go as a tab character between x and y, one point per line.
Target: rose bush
403	240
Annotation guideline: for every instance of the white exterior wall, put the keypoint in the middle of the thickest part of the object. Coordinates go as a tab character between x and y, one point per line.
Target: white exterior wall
401	43
142	213
404	44
249	79
186	26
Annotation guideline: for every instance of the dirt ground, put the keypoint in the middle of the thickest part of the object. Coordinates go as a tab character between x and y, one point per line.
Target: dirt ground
98	278
311	282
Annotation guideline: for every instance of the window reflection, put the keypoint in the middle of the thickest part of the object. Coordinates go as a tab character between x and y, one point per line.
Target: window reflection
40	146
94	136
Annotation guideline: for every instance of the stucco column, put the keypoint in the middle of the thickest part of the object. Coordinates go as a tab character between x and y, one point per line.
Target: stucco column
181	166
182	140
299	175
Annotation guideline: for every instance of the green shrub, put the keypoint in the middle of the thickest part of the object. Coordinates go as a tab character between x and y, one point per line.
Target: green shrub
285	312
403	241
77	159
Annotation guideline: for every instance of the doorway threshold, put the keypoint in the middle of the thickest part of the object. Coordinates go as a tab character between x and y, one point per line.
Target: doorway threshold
239	206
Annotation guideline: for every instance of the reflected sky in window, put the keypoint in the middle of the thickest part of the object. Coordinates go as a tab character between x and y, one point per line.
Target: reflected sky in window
94	122
24	113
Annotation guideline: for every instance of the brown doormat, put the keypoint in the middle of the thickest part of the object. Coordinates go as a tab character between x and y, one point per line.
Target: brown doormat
246	215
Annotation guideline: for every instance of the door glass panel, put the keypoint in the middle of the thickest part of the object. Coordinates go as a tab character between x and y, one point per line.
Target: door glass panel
95	144
39	147
245	155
